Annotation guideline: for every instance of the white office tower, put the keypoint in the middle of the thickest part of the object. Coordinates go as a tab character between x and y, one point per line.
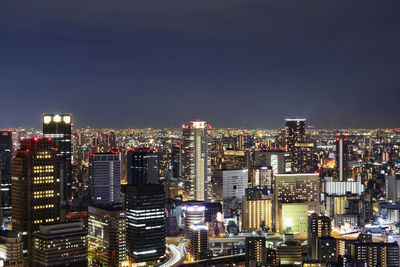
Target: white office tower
104	178
392	186
197	161
234	183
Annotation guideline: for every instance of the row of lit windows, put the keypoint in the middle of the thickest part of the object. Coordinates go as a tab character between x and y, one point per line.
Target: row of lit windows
42	194
43	180
42	167
44	206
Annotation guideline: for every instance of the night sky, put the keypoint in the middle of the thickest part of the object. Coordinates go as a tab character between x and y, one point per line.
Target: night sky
233	63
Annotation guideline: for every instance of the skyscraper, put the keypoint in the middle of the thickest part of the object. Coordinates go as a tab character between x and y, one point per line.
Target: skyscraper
5	171
35	188
107	235
294	132
392	187
197	161
145	212
142	166
318	226
58	128
104	178
342	154
301	150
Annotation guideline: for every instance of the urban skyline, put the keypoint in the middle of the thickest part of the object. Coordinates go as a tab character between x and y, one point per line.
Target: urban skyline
78	125
229	133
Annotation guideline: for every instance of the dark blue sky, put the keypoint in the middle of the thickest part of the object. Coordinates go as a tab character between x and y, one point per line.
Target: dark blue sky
233	63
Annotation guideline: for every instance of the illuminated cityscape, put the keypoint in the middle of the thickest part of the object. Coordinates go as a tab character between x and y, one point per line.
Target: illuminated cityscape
199	133
131	205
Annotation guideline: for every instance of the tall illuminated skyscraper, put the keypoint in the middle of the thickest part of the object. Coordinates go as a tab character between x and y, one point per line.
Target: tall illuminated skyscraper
35	188
342	154
5	171
197	161
58	128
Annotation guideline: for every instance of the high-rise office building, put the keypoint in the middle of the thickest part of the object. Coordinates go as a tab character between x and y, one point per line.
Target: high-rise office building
104	178
295	131
392	187
62	244
342	155
58	128
35	188
106	235
176	160
142	166
145	212
229	184
302	158
256	251
5	171
11	247
318	226
198	241
197	161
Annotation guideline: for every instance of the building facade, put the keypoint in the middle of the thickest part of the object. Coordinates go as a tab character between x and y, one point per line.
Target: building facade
197	161
6	150
104	178
106	235
142	166
35	188
145	212
63	244
58	127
